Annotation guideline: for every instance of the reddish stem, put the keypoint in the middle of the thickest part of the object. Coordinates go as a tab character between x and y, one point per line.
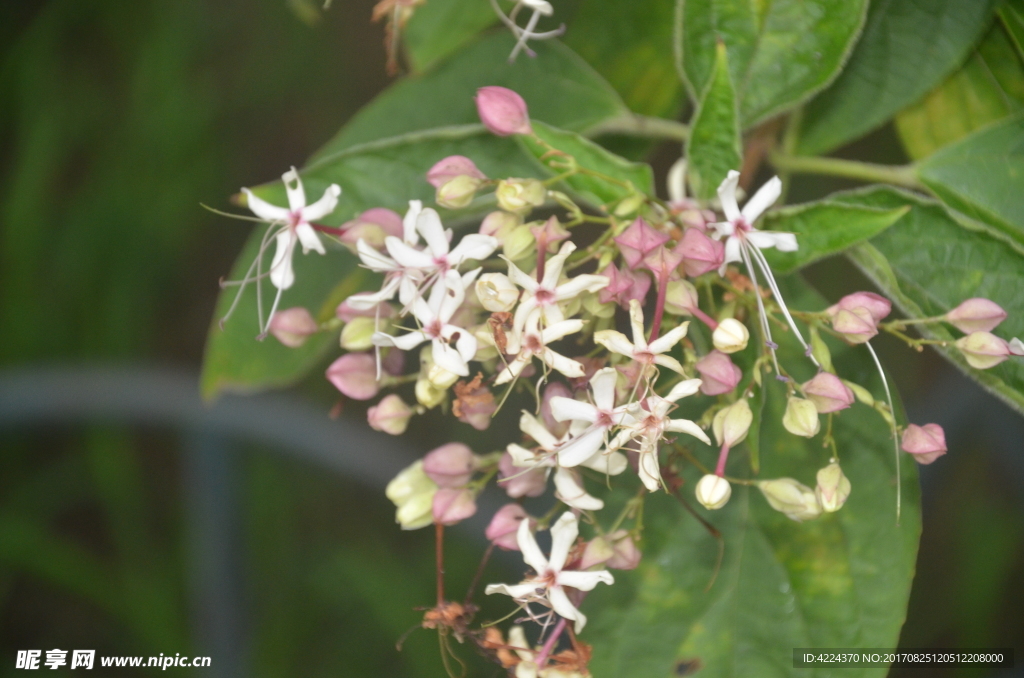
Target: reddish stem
329	229
549	644
723	456
659	308
542	252
479	572
439	532
705	318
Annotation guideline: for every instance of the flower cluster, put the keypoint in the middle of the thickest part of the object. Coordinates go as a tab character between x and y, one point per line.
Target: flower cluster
601	347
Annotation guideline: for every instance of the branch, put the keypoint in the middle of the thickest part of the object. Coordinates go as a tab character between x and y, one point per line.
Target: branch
632	124
901	175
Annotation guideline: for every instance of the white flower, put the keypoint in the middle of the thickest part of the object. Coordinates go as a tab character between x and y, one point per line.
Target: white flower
638	349
297	219
453	347
547	584
533	342
601	416
648	426
398	278
543	297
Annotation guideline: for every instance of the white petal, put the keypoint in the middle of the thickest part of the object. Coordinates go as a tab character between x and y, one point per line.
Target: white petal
429	225
373	259
529	425
650	471
566	366
407	256
677	181
683	389
532	555
563	536
581	448
669	362
406	342
560	603
584	581
602	384
473	246
527	308
513	369
614	341
612	463
666	341
569	490
324	206
367	300
540	6
409	234
762	200
687	426
553	270
450	301
281	274
263	209
466	345
727	195
296	194
578	285
732	251
566	409
516	275
309	239
521	457
560	330
449	358
636	323
523	590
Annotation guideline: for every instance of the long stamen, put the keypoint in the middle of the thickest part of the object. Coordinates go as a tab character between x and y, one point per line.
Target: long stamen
527	34
760	307
892	426
248	276
763	263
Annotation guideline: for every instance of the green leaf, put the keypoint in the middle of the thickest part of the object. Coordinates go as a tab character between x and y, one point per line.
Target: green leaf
990	86
929	262
381	174
825	228
714	144
633	176
1011	13
907	48
558	86
780	53
439	28
627	43
981	175
841	580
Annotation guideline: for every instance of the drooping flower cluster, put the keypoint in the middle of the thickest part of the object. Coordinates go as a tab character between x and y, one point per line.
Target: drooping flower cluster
519	316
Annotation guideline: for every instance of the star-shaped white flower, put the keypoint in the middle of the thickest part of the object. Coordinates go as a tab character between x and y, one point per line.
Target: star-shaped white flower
547	585
542	298
648	425
438	256
638	349
598	419
453	347
533	342
297	219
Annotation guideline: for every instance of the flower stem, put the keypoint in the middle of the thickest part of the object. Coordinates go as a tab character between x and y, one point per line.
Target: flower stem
723	457
439	534
659	307
705	318
641	126
549	644
901	175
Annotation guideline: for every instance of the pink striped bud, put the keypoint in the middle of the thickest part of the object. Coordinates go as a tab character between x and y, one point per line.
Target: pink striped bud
390	415
520	482
504	526
976	315
616	550
983	350
718	374
499	224
450	465
857	326
700	253
828	393
453	505
453	166
639	240
293	326
373	226
503	111
927	443
355	375
878	307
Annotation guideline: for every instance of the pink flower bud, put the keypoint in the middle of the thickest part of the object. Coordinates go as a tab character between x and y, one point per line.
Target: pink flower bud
373	226
976	315
293	326
453	505
878	307
625	554
520	482
457	192
504	526
551	232
554	389
502	111
638	240
718	374
390	415
393	361
681	297
927	443
453	166
828	393
450	465
983	350
474	405
355	375
499	224
857	326
662	261
699	252
623	286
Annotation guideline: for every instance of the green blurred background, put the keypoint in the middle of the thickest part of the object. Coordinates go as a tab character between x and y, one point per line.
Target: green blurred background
117	120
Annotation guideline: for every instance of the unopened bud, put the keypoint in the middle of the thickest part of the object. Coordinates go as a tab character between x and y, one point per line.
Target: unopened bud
502	111
498	224
833	488
373	226
625	556
417	512
450	465
878	307
520	195
976	315
357	335
597	552
700	253
519	244
551	232
983	350
856	326
428	395
390	415
828	393
639	240
713	491
504	526
801	418
681	297
412	491
718	373
730	336
451	505
927	443
293	326
458	192
797	501
520	482
453	166
1017	347
732	423
820	351
355	375
860	393
496	292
